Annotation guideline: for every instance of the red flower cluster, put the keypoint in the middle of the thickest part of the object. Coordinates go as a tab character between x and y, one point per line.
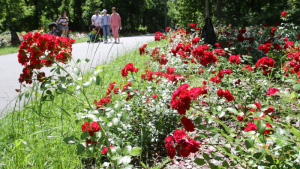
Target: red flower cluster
220	75
103	101
105	149
195	41
221	93
293	65
289	44
251	127
283	14
128	68
163	60
142	49
265	48
272	91
91	128
168	29
277	46
39	50
203	56
182	49
188	124
157	36
181	97
149	75
235	59
266	64
248	68
126	89
193	25
183	143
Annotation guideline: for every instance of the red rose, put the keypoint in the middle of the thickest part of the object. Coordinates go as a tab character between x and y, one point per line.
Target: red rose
251	126
272	91
283	14
188	125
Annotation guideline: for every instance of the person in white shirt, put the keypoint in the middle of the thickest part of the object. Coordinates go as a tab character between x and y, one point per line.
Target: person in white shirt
96	19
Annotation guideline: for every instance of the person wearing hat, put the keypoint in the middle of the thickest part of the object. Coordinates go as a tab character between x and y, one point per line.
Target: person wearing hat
115	22
105	25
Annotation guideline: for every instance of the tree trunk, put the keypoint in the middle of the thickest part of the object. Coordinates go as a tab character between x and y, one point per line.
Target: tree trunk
82	24
258	6
207	8
36	14
14	37
219	7
252	4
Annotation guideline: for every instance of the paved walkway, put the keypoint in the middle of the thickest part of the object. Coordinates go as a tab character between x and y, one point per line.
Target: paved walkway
10	69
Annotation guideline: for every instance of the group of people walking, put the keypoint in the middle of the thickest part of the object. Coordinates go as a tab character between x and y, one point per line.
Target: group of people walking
104	23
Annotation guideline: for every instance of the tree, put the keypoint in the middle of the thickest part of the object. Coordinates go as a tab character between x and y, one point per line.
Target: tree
12	10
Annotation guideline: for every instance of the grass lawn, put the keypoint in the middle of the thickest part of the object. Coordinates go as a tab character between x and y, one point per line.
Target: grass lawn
30	138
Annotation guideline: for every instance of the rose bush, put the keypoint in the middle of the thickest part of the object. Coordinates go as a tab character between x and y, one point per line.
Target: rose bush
233	106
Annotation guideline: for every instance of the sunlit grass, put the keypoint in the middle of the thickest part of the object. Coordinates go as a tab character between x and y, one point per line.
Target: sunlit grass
33	139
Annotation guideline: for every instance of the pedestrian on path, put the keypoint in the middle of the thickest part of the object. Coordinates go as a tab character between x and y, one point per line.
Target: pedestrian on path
115	23
105	25
63	22
96	21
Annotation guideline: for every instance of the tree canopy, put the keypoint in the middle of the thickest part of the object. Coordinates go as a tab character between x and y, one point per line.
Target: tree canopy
27	15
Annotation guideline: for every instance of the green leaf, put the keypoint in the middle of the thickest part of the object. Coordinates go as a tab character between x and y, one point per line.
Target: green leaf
264	107
225	164
261	126
257	155
76	71
62	79
253	106
270	159
127	150
62	88
263	139
213	129
85	135
206	157
296	132
199	161
79	149
218	158
70	140
211	165
57	70
232	110
291	81
296	87
198	120
201	127
221	114
136	151
98	80
249	143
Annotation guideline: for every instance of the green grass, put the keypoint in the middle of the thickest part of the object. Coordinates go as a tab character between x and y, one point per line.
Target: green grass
30	138
8	50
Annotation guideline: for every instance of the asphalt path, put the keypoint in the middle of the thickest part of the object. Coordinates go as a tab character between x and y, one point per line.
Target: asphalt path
98	53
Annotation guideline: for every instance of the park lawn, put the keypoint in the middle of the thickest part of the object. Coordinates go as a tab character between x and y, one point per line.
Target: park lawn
8	50
29	139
